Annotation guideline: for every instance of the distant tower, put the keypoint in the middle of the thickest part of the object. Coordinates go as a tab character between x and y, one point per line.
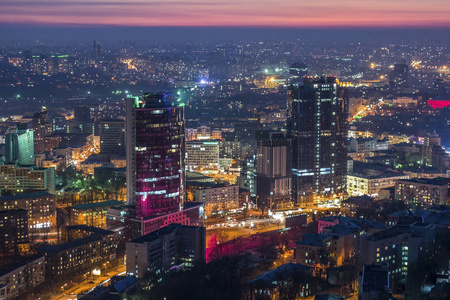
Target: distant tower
296	73
398	78
112	137
41	129
96	49
155	152
19	146
273	170
317	125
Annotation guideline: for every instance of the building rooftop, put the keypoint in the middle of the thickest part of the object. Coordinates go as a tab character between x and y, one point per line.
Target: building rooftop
92	229
359	200
283	272
314	239
434	181
72	244
124	283
375	278
39	194
108	203
152	236
384	175
328	297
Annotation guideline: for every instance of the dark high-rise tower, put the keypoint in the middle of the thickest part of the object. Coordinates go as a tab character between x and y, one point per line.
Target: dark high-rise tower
155	145
112	137
398	78
96	49
273	170
296	73
317	125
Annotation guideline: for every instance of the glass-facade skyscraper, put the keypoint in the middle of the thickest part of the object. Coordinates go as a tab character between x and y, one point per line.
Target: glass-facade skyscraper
317	124
155	141
19	146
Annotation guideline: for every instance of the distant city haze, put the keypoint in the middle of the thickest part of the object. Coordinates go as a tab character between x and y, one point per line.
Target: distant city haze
247	13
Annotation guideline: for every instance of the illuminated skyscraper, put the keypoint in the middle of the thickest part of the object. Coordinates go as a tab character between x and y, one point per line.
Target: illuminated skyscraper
296	73
19	146
317	125
155	144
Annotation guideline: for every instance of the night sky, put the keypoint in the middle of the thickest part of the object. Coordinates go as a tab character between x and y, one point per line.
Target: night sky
248	13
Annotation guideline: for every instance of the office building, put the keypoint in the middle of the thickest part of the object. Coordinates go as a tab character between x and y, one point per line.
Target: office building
359	184
216	198
13	231
423	192
174	246
21	278
155	154
19	146
317	125
41	207
202	156
273	170
296	73
112	137
15	178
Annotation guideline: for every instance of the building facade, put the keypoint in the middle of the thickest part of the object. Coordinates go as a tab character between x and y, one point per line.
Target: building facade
112	137
19	146
41	207
273	170
22	278
155	154
167	248
423	192
216	197
13	231
317	124
359	184
202	155
15	178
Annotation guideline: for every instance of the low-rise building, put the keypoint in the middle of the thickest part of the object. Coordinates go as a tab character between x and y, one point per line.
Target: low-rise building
13	231
291	279
202	155
40	207
357	203
91	214
358	184
170	247
216	197
123	219
400	246
373	282
21	278
76	256
16	178
423	192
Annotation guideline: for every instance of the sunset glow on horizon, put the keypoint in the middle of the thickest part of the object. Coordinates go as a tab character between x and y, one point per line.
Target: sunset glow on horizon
245	13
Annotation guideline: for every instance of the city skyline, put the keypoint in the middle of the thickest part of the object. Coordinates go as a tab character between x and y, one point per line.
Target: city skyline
202	13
